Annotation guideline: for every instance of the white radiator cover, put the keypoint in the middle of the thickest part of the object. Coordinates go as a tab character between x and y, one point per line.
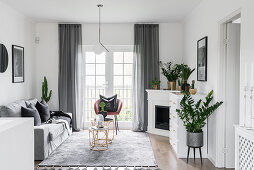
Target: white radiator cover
244	149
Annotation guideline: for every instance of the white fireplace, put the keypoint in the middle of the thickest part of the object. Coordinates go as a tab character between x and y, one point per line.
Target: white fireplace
159	98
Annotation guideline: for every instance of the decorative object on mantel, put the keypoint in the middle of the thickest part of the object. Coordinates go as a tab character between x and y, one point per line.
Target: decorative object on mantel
202	59
193	91
194	116
156	83
103	112
17	64
44	88
3	58
185	73
171	73
179	81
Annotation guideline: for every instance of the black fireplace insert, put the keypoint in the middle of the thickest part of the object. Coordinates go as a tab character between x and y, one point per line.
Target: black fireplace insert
162	117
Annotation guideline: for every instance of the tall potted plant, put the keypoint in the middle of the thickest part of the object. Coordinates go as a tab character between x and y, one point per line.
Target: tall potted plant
185	72
171	73
194	116
45	95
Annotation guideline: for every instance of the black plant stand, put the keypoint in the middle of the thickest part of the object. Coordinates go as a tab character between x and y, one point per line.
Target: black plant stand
194	153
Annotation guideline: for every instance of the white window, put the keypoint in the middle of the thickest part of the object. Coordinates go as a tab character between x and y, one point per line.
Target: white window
108	74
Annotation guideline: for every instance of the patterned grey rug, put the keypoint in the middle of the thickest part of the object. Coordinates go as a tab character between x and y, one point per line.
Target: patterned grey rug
128	149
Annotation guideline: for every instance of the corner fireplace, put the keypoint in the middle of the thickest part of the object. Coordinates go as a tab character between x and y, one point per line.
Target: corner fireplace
162	117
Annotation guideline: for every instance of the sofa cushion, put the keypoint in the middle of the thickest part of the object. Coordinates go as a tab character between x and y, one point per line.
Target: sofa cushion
31	111
54	130
12	109
43	110
31	101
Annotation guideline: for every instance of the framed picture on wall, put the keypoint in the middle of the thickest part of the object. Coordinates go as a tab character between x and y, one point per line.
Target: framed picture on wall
202	59
17	64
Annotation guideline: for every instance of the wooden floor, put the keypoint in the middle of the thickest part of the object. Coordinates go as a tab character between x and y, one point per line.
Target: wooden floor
167	159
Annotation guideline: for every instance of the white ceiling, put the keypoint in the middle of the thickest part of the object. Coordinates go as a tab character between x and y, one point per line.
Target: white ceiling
114	11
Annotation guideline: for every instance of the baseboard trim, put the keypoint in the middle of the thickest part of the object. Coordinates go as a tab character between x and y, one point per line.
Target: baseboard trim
211	159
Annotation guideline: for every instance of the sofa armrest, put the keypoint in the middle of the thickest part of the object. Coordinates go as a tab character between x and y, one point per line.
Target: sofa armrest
70	114
41	140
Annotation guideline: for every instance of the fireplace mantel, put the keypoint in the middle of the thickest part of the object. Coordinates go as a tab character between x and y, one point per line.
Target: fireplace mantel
177	132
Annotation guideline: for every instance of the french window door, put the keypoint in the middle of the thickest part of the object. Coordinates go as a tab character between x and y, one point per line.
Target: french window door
108	74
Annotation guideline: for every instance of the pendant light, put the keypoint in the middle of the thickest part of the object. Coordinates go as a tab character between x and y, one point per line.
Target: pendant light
99	47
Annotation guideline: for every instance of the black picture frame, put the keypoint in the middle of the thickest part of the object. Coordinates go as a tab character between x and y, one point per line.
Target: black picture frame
18	70
202	45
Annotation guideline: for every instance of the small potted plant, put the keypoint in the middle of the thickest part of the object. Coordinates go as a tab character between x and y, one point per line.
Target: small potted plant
194	116
102	111
185	73
156	83
193	90
171	73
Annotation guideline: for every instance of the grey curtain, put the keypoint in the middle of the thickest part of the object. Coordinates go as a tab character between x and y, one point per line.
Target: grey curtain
70	52
146	68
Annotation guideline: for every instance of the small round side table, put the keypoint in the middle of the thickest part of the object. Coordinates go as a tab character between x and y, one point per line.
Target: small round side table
110	123
98	138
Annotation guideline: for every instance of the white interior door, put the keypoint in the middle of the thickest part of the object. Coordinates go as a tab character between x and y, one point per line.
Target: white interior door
232	90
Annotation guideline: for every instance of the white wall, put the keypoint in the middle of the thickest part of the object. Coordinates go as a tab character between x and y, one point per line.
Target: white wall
171	47
204	21
16	29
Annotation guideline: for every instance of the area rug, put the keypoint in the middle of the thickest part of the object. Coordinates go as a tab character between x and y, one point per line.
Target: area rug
129	149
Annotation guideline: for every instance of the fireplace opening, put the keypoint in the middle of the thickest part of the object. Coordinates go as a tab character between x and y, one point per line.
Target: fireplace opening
162	117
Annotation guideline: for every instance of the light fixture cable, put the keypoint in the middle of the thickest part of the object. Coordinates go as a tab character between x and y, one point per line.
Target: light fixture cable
99	6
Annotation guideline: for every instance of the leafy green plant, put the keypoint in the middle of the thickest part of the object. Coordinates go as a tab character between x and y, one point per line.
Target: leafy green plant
194	114
169	71
45	95
185	71
102	105
193	84
155	82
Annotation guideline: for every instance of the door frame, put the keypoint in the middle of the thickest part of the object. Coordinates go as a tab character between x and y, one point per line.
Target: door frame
123	125
221	84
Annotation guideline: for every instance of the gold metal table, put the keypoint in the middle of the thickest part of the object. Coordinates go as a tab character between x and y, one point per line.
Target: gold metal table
98	138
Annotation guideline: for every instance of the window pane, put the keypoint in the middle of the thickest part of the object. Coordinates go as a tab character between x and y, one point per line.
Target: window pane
90	69
100	58
100	81
100	69
128	57
127	69
118	69
118	57
90	57
118	81
128	81
90	81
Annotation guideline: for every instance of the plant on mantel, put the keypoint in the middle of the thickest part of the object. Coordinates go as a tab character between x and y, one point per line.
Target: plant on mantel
185	72
171	72
156	83
194	114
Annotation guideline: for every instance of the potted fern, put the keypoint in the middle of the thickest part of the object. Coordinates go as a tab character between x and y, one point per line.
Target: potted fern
194	116
171	73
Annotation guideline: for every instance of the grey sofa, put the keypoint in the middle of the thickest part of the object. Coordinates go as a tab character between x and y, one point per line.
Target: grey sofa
47	137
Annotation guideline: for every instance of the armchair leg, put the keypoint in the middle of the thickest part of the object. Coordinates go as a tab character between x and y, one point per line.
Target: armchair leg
116	124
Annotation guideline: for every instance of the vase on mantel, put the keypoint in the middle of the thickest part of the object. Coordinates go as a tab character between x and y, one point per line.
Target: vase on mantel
185	86
171	85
